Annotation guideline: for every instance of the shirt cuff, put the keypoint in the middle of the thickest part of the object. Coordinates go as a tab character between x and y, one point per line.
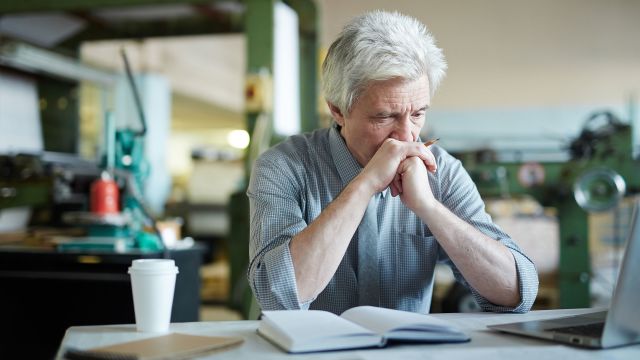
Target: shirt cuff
278	290
528	286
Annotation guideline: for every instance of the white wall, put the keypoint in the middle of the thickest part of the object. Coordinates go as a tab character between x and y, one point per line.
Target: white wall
522	53
209	68
536	63
20	129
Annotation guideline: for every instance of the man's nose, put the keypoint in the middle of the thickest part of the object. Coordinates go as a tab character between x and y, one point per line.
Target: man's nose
402	131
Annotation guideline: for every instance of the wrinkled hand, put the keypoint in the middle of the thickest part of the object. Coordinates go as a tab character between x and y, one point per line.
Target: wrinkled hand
413	181
383	169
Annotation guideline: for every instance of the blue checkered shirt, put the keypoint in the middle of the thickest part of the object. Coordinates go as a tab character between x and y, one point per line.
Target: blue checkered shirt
294	181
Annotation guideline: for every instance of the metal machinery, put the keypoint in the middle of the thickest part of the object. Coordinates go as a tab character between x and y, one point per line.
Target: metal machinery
600	171
50	285
41	289
125	166
23	182
62	181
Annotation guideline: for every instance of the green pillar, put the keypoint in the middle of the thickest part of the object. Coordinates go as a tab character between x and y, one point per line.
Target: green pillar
308	82
259	31
259	26
308	25
575	264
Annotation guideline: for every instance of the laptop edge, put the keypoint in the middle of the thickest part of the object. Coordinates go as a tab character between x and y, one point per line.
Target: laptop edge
621	323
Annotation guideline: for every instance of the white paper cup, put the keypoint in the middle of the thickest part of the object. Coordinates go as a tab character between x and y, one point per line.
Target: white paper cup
153	283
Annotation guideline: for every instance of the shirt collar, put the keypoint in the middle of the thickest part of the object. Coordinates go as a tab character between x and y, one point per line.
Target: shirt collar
347	166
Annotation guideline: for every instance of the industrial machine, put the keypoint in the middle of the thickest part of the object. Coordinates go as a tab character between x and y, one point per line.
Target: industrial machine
63	188
124	171
255	18
88	221
601	170
23	181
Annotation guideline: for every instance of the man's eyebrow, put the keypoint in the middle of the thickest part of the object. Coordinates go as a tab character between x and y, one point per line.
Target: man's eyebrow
422	109
394	113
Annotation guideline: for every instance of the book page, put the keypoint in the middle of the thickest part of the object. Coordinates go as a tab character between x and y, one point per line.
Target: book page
382	321
302	325
312	330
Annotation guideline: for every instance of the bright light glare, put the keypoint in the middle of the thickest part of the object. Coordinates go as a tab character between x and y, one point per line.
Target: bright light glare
239	139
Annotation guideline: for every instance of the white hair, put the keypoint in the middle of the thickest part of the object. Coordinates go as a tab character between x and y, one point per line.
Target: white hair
377	46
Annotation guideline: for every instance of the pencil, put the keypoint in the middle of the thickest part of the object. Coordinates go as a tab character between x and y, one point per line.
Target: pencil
431	142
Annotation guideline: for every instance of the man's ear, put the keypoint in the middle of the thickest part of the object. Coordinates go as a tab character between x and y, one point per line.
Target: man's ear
336	113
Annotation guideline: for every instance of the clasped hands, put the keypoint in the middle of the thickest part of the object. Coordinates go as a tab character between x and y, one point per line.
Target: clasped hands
403	166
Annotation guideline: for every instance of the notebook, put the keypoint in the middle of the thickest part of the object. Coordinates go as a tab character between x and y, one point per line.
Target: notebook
167	347
300	331
618	326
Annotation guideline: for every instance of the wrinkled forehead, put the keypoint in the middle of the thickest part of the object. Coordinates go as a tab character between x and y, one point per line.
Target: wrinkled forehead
396	92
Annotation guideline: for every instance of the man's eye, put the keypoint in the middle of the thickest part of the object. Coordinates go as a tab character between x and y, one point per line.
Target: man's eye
418	114
383	118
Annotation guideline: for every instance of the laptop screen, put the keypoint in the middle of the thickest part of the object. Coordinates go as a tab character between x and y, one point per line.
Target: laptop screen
623	309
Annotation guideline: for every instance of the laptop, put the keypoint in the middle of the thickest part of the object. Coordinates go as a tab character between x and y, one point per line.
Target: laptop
618	326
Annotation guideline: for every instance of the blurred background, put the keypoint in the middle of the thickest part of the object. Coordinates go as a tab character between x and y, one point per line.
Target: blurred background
128	129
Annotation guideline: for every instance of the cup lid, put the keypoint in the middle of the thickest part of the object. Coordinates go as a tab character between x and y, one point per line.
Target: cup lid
153	265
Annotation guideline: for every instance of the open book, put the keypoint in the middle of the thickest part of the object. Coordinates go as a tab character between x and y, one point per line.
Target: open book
364	326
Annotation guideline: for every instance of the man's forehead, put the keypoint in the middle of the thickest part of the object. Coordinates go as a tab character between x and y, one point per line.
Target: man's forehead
400	81
395	93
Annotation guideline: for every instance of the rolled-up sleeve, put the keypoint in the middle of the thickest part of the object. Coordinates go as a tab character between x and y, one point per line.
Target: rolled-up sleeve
458	192
276	216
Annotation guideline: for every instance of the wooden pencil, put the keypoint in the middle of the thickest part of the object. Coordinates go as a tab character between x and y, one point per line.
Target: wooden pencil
431	142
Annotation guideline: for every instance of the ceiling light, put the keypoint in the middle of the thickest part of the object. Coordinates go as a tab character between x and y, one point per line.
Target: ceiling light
239	139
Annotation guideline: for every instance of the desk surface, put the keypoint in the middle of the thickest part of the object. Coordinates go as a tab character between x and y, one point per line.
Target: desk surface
484	343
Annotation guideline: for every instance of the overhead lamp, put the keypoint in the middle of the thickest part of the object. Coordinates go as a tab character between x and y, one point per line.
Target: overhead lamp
239	139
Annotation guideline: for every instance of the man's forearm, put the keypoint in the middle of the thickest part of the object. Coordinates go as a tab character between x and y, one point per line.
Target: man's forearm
317	250
486	264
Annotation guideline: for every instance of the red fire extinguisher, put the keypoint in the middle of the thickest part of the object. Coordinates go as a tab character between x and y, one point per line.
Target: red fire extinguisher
105	195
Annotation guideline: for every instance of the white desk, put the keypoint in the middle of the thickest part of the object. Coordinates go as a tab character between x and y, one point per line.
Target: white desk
485	344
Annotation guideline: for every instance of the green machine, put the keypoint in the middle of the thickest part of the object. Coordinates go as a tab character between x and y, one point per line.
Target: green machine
254	18
23	182
601	170
58	184
125	158
125	170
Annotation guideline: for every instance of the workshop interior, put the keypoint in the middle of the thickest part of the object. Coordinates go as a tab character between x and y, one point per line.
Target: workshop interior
128	130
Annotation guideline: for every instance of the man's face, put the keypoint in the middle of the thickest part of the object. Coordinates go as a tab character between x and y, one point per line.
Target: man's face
392	108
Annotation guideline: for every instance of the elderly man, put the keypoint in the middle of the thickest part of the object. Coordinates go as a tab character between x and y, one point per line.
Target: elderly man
360	213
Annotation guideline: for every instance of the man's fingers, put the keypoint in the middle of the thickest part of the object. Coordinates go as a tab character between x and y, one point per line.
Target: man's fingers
394	190
388	159
431	166
403	150
426	155
397	185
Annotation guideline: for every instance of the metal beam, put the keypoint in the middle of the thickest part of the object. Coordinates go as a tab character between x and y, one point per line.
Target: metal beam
8	7
158	28
38	61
